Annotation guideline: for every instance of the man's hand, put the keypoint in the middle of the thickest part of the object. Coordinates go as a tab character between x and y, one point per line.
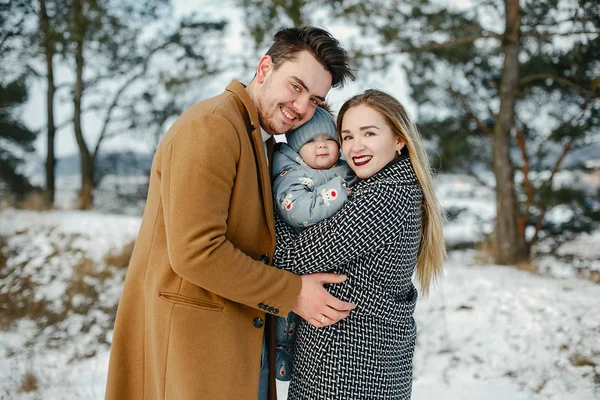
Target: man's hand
316	305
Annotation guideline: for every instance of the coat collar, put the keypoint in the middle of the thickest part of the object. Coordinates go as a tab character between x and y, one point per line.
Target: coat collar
239	90
398	171
249	111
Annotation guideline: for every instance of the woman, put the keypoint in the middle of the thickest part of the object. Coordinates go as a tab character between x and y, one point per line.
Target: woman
390	226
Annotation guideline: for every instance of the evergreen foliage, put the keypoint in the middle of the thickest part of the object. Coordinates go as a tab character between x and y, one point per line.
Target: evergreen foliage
15	138
453	56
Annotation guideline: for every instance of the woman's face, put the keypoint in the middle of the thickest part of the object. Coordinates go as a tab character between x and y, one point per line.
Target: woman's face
368	143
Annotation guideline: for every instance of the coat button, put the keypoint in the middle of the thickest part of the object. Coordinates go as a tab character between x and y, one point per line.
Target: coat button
258	322
265	258
261	305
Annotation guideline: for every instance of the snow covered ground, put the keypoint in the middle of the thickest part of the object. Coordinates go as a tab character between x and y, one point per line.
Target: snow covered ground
485	332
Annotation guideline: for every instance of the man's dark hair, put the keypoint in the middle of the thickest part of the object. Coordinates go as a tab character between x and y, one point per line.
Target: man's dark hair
287	43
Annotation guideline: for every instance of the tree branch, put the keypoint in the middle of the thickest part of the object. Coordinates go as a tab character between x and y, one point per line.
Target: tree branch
473	38
473	174
479	123
543	35
18	30
569	146
543	76
553	25
470	114
122	89
436	46
454	42
548	183
521	144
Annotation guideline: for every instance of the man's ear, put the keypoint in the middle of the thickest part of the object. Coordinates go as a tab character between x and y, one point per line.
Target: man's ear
264	69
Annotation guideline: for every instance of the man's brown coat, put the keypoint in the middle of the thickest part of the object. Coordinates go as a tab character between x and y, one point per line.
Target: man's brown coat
189	320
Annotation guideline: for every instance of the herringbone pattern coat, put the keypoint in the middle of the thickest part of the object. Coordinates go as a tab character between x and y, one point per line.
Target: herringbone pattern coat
374	240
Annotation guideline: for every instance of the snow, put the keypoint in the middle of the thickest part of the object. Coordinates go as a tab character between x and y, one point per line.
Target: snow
474	207
585	246
485	331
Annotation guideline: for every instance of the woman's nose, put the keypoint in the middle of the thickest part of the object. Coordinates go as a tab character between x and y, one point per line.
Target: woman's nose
357	144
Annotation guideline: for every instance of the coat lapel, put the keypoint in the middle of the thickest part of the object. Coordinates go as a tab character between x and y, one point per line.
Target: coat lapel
239	90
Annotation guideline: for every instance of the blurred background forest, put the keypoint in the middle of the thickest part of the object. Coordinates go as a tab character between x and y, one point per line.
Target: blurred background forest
500	87
507	94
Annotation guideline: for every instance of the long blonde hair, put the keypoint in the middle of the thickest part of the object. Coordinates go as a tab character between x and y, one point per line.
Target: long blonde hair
432	250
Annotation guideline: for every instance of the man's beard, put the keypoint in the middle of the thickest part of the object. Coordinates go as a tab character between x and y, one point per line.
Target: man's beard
266	121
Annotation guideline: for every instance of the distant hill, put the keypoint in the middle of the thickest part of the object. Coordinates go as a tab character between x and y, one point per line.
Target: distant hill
134	163
114	163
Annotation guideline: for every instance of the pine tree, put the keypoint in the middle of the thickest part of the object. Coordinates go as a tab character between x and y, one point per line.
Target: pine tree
507	86
16	139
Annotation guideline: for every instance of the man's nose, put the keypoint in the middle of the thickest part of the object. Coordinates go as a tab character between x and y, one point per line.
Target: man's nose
301	105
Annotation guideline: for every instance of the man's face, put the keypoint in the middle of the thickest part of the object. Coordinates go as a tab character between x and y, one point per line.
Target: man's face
288	96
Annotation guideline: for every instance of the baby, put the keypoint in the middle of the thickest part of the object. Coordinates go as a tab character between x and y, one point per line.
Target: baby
310	184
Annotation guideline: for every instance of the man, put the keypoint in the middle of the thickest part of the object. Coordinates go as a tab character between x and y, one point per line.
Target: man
199	288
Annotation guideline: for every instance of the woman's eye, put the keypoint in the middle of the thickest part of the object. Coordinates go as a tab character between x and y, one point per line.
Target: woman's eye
347	137
368	133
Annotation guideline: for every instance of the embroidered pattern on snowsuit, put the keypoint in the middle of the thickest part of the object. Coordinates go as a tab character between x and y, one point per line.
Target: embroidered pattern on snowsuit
303	195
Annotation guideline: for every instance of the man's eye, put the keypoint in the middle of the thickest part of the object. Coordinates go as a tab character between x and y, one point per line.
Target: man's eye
296	87
316	102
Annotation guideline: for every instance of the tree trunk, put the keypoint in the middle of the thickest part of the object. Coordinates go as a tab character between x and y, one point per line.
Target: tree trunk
87	161
49	191
509	247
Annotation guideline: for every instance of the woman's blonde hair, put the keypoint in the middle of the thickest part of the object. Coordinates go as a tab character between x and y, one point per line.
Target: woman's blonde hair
432	250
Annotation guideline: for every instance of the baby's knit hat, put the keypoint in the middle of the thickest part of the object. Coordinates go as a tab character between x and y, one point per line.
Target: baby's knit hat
321	123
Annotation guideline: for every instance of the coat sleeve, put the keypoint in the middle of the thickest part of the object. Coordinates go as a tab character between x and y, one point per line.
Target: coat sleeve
301	204
363	224
197	178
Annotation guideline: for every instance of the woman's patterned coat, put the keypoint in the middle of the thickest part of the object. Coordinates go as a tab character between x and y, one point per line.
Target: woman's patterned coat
374	239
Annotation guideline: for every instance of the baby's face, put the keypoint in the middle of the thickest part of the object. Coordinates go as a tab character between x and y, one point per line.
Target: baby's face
320	152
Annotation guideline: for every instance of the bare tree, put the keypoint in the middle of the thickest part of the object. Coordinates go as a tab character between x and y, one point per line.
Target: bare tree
48	45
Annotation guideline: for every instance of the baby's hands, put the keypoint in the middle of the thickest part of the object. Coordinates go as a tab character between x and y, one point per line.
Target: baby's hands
345	185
